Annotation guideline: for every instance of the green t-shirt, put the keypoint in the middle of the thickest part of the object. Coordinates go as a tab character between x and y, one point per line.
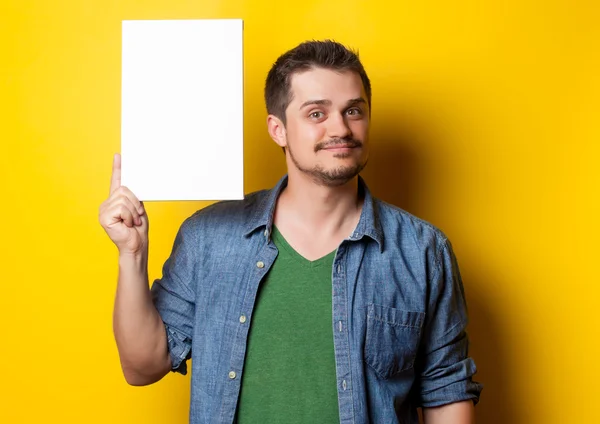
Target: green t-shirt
289	372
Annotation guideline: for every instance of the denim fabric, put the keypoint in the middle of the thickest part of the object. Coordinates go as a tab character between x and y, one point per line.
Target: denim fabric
399	311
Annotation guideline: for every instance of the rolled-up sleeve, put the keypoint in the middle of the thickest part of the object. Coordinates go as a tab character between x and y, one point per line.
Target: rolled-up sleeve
444	368
174	296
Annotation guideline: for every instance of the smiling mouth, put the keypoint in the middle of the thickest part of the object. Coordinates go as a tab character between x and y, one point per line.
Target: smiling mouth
339	145
342	147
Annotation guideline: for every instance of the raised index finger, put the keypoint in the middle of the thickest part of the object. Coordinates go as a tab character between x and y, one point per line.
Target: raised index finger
115	179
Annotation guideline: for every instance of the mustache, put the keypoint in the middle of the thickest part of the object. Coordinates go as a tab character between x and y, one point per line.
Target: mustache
349	142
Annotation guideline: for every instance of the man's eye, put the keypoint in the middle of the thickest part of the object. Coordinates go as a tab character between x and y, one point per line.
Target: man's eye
316	115
354	111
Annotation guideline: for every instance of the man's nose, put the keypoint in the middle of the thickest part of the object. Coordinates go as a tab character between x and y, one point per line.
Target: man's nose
338	126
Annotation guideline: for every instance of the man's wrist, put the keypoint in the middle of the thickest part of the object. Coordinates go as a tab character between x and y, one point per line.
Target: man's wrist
138	259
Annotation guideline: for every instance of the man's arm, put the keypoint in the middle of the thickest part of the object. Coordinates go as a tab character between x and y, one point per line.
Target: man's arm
138	328
453	413
443	366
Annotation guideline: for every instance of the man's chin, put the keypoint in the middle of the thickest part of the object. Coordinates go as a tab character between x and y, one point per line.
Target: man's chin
336	172
337	176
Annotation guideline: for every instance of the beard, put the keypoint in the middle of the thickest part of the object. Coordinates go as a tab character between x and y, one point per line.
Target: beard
332	177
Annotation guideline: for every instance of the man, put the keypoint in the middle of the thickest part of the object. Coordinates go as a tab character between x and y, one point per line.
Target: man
310	302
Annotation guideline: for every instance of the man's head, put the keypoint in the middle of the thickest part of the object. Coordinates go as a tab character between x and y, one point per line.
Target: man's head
318	98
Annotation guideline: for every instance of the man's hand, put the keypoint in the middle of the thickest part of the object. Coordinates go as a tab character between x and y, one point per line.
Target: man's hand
123	217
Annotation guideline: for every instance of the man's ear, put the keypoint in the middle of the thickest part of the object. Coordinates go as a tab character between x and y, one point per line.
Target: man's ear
276	130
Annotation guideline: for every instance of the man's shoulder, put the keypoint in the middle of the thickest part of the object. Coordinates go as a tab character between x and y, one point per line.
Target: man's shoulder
403	226
227	213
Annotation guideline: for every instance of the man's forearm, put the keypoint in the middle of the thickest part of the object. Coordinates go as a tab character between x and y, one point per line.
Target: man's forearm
453	413
138	328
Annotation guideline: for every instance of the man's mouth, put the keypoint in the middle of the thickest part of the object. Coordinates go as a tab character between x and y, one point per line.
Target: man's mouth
340	147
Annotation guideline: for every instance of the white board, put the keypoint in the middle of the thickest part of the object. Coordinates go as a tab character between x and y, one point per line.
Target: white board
182	109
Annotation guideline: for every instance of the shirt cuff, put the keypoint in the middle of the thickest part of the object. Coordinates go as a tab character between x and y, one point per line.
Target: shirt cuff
180	346
454	392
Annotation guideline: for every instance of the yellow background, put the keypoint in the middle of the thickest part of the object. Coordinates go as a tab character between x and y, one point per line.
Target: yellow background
485	123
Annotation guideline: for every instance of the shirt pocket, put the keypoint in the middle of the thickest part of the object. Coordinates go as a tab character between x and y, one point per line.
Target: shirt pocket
392	339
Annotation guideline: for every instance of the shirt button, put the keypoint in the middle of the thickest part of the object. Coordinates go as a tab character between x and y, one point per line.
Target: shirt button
260	264
232	374
339	268
242	318
266	233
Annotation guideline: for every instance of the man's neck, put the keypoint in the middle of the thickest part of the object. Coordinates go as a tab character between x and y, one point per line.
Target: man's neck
318	208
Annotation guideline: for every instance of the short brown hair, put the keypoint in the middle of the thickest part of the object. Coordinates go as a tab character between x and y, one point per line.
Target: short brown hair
326	54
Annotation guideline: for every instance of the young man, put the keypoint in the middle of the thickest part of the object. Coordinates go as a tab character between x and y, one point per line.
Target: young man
310	302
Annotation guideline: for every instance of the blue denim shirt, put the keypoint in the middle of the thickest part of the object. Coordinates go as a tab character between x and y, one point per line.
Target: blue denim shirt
398	320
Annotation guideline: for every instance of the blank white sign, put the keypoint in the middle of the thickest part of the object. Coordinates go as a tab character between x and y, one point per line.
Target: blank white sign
182	109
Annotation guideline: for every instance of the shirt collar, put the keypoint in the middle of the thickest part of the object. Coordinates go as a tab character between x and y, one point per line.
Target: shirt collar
368	225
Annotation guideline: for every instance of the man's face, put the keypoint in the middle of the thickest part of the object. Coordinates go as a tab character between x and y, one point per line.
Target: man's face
327	125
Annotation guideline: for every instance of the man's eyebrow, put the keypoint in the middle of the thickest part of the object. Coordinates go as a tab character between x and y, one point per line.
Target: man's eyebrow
356	101
324	102
316	102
